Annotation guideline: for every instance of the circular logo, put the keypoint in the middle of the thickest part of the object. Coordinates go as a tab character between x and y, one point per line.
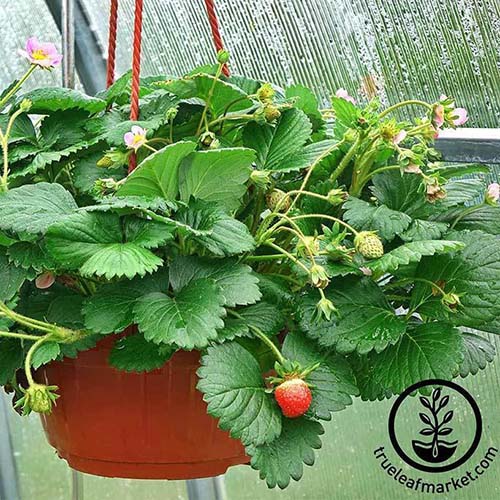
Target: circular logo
444	424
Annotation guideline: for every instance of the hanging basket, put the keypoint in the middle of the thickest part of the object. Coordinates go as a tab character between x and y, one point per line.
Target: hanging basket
135	425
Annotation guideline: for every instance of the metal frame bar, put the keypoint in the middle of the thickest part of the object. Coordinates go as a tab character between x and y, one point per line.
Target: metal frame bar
89	57
9	478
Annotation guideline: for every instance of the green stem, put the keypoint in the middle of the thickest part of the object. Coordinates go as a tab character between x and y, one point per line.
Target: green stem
310	170
287	254
18	85
347	158
466	212
410	102
16	335
203	119
29	357
230	117
262	336
24	320
259	258
378	171
328	217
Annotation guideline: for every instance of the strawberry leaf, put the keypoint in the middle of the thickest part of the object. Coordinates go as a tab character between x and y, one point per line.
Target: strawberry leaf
233	387
429	350
188	320
34	207
11	358
283	459
237	282
158	174
367	217
46	353
217	175
134	353
366	319
275	145
11	278
478	352
96	244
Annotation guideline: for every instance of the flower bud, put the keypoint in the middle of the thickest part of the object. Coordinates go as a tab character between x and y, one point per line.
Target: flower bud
266	92
114	159
271	113
222	56
171	113
307	246
261	178
337	196
492	194
319	277
209	140
434	191
326	309
451	301
25	105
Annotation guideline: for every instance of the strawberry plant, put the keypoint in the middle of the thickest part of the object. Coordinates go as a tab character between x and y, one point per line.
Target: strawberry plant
311	255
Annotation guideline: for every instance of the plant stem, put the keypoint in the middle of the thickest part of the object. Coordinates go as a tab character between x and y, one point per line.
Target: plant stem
23	320
18	85
203	119
410	102
310	170
378	171
262	336
346	159
466	212
29	357
287	254
230	117
328	217
259	258
16	335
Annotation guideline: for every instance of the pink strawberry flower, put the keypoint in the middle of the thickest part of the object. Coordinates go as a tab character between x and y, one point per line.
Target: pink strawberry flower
343	94
438	116
493	193
135	138
45	280
41	54
400	136
459	116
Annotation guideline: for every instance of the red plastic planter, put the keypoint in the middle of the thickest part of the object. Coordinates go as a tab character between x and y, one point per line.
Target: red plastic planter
135	425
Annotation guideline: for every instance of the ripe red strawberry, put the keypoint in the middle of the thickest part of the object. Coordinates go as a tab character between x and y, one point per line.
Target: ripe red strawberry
294	397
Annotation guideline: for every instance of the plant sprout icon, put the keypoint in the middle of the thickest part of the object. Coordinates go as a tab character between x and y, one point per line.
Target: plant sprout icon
437	450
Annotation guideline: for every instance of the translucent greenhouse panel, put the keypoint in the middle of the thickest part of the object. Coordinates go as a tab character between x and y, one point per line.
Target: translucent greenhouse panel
408	48
19	21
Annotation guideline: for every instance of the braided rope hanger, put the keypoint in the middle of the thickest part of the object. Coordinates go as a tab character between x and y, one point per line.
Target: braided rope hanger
136	54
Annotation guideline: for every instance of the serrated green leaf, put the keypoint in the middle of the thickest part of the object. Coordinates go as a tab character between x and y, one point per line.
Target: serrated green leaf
189	320
237	282
478	352
95	243
46	353
307	156
49	99
275	145
370	389
484	218
424	230
34	207
332	383
460	191
11	278
110	309
84	344
307	102
11	359
217	175
283	459
412	252
233	387
366	319
473	273
429	350
212	228
66	310
158	174
30	255
367	217
134	353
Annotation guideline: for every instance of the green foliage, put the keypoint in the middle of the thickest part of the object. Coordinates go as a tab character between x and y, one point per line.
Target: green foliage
478	352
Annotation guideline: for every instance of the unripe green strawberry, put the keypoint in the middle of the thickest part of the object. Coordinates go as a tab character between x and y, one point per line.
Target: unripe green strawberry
39	398
278	200
271	113
369	245
293	397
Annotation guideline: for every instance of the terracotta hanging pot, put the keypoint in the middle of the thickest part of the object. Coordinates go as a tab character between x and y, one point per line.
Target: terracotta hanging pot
135	425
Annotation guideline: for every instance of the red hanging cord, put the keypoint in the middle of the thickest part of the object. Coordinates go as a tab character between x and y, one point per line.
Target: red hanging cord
136	73
113	24
214	26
